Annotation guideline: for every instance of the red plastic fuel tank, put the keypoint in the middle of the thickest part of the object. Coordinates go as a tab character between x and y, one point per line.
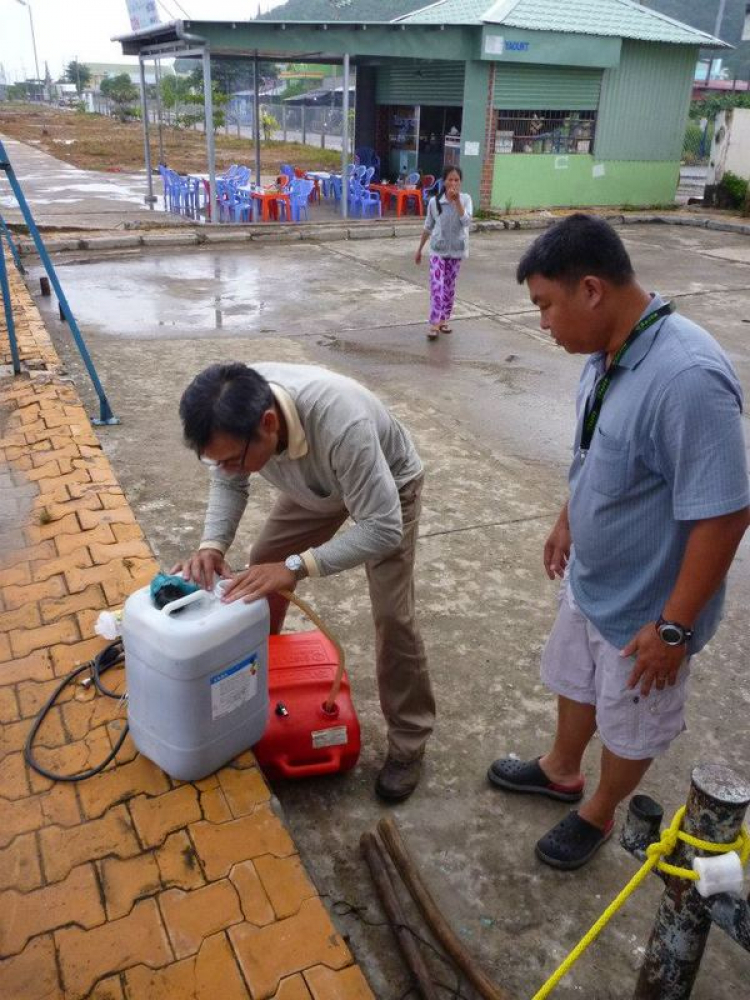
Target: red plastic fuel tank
302	740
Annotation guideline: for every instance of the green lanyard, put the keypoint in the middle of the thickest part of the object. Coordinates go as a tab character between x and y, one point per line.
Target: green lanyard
594	406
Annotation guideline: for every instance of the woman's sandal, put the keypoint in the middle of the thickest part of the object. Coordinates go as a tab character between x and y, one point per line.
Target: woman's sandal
433	333
445	328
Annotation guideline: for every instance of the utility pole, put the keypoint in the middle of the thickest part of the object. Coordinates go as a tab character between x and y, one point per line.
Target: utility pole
25	3
717	29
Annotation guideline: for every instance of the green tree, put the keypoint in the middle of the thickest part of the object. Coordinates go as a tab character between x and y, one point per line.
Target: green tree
19	92
267	123
711	106
78	74
220	100
122	92
176	91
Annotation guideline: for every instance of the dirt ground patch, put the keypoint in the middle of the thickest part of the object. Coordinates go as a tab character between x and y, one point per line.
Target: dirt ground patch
95	142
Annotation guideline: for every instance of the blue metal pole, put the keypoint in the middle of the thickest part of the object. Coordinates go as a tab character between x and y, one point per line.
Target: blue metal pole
5	289
105	413
13	248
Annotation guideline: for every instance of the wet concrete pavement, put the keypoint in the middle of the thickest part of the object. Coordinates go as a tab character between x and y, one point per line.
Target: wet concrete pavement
491	409
63	196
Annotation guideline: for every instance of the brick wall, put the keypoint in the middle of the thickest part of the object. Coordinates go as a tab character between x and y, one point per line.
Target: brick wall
488	165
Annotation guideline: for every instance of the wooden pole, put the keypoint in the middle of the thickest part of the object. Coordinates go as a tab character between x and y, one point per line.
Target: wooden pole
373	855
437	923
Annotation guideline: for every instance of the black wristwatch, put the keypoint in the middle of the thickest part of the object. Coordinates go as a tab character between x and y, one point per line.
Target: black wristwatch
672	633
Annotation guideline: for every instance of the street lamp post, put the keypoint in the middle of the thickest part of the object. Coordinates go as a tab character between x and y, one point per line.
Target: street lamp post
717	29
25	3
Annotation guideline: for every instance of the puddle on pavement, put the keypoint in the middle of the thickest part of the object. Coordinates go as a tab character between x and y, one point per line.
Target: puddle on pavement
195	293
190	295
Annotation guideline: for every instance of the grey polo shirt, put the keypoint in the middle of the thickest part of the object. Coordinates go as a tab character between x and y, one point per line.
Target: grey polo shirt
668	450
346	451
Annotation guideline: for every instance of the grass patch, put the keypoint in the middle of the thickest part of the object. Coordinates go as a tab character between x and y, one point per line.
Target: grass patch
102	143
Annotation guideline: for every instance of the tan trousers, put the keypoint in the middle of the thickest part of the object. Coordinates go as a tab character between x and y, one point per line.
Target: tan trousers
404	687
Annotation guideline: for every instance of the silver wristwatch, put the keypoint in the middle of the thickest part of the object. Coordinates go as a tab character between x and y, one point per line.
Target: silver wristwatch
297	565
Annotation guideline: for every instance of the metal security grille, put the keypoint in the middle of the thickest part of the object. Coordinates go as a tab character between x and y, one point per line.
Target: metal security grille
561	132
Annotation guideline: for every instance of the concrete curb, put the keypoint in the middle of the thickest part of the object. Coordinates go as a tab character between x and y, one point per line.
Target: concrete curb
323	233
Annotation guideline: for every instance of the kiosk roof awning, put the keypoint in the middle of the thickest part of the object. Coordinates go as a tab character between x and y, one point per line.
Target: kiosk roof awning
177	38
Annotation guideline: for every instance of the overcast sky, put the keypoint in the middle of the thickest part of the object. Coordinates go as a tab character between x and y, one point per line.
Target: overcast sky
69	29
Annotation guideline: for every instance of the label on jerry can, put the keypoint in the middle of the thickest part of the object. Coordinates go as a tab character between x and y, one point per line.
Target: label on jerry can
234	686
334	737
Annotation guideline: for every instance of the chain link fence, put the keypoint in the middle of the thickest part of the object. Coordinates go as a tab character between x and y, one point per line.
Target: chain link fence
318	126
312	126
696	148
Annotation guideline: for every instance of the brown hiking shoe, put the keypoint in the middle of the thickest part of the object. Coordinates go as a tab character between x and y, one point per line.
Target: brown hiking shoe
398	779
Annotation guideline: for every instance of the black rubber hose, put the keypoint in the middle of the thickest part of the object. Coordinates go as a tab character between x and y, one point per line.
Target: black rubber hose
109	657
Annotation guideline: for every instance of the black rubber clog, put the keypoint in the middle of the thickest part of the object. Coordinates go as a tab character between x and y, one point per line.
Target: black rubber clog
527	776
572	843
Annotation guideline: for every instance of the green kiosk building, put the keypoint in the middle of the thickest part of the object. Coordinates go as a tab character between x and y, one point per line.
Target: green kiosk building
543	103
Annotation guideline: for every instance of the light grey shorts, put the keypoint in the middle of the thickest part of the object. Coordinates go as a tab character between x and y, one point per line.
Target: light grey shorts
578	663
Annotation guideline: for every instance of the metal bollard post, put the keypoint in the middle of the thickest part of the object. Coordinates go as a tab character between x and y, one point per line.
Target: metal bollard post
715	809
642	826
44	286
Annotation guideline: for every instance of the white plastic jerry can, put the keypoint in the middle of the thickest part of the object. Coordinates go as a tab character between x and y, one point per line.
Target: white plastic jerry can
197	679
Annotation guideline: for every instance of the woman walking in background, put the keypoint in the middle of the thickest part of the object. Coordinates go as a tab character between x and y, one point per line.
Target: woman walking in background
447	228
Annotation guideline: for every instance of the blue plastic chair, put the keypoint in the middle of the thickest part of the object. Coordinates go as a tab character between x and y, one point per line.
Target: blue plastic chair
369	158
164	173
299	196
287	169
355	197
369	173
180	193
171	196
335	186
413	179
230	206
370	201
247	206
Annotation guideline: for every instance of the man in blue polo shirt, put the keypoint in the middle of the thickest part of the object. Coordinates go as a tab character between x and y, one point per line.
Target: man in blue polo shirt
658	505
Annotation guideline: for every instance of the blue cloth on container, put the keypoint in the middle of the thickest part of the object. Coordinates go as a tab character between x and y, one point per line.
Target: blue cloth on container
165	589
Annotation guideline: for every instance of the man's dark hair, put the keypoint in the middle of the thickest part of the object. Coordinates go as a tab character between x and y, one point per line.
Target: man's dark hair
229	398
574	247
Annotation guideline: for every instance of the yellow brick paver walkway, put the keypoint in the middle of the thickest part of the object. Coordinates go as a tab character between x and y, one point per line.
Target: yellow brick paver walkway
129	885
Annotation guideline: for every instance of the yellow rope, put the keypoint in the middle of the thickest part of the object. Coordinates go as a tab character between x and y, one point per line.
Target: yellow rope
654	853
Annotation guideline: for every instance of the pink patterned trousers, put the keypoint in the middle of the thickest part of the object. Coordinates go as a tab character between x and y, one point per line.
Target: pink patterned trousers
443	275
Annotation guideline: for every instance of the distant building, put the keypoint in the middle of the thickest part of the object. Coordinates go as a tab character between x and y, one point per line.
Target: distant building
63	93
703	89
100	71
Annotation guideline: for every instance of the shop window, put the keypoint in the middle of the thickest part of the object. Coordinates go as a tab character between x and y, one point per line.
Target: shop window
561	132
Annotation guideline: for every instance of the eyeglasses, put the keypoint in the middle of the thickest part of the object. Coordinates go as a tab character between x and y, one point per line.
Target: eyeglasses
230	464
